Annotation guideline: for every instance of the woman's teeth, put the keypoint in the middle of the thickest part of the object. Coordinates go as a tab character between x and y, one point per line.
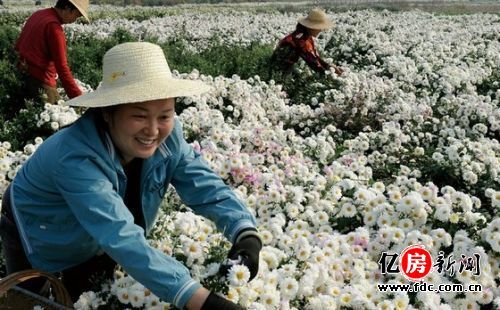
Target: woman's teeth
146	141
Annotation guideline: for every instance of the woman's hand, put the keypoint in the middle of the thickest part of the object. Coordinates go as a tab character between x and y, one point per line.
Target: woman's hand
203	299
216	302
247	248
338	71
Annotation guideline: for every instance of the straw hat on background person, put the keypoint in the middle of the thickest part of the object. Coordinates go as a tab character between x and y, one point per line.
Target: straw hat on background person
83	7
317	19
136	72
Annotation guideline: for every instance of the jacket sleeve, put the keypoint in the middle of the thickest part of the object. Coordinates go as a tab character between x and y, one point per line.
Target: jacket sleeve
308	53
57	48
207	194
101	212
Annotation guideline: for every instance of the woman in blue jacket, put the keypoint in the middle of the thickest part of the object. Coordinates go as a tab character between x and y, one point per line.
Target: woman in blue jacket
88	196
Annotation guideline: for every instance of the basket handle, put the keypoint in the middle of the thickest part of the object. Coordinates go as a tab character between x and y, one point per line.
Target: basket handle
60	293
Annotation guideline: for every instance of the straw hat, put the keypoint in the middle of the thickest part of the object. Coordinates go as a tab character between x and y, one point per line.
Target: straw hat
82	6
316	19
136	72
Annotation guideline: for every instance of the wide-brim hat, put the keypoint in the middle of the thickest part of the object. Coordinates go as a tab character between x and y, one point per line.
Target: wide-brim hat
136	72
317	19
83	7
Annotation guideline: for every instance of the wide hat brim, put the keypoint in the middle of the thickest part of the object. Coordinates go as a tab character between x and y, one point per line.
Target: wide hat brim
139	92
316	25
136	72
81	9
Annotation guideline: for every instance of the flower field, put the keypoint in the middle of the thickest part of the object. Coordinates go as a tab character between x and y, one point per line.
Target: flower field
401	149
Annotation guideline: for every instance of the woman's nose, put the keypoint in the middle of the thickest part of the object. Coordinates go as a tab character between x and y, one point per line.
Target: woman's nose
152	128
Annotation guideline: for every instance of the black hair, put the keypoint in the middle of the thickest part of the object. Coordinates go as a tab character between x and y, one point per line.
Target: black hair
302	28
65	4
100	123
98	114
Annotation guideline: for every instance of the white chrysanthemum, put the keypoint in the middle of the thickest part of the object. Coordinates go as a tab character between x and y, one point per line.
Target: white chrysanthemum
303	253
266	236
274	196
193	250
321	218
401	301
270	299
348	210
495	199
492	234
162	305
427	193
379	186
292	210
486	297
271	279
257	306
238	275
363	195
384	219
408	202
465	303
270	257
398	235
5	165
289	288
123	295
443	213
88	300
54	125
345	299
322	302
405	224
386	305
6	145
233	295
370	218
29	149
454	218
395	196
136	297
441	237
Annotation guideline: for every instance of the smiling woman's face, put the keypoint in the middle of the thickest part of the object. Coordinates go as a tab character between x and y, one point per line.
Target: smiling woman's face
138	129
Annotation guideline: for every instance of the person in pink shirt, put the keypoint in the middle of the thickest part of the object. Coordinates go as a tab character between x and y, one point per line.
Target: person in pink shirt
41	48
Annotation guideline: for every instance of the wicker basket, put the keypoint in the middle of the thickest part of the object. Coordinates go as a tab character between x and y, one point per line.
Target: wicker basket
12	297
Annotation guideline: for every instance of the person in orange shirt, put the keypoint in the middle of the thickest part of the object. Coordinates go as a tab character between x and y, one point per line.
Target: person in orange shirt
41	48
300	44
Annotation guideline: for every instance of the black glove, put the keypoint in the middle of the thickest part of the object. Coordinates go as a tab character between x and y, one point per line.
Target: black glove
247	248
215	302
